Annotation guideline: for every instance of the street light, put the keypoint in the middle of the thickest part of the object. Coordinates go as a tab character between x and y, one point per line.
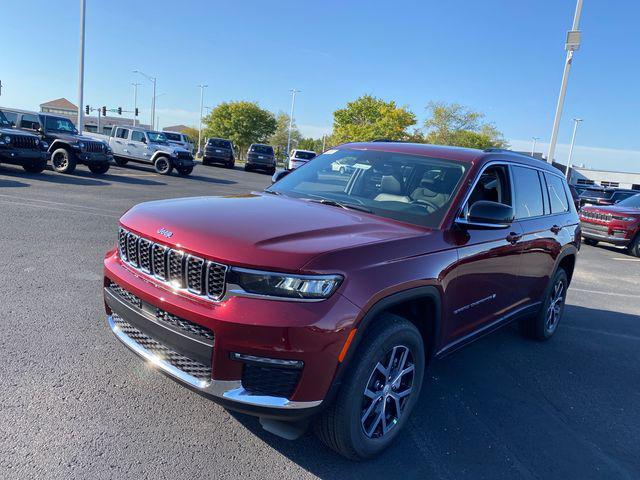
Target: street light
572	44
202	87
135	101
293	103
83	4
576	121
153	102
533	147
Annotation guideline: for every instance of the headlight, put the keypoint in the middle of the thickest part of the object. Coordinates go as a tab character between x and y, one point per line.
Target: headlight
37	142
623	219
44	145
282	285
7	140
80	145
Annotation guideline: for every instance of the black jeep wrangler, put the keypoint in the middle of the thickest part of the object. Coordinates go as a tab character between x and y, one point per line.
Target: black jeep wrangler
67	147
21	148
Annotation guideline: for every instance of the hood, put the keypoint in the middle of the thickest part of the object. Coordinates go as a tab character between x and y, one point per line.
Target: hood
171	148
613	210
70	137
16	132
260	230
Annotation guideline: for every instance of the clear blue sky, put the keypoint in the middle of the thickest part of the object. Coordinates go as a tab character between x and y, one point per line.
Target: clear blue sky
502	57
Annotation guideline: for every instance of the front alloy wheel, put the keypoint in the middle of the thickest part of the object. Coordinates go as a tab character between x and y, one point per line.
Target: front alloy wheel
544	323
556	304
387	391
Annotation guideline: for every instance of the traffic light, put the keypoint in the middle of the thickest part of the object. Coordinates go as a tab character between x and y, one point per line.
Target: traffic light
86	109
104	111
119	110
136	111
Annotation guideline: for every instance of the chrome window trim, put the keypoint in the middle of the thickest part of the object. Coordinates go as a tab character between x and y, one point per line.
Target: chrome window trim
231	390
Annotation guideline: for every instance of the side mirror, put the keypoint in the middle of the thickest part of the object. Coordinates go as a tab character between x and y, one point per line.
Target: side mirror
143	139
279	175
486	214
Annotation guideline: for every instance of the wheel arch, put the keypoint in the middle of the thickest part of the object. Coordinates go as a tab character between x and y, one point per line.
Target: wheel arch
56	144
160	153
567	261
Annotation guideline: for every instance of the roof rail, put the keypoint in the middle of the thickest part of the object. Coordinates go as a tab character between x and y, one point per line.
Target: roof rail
387	140
492	149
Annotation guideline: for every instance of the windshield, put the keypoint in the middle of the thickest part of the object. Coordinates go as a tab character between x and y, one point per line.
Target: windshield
214	142
591	193
3	121
157	137
631	202
59	124
305	155
408	188
263	149
175	137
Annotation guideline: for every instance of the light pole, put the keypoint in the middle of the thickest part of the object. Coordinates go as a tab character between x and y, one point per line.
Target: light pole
293	103
572	44
153	101
576	121
202	87
135	101
83	4
533	147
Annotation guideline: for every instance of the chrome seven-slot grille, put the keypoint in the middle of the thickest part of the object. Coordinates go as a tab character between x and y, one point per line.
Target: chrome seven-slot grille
179	270
603	217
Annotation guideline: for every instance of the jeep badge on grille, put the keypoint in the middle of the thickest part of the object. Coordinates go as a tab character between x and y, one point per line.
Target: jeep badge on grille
165	233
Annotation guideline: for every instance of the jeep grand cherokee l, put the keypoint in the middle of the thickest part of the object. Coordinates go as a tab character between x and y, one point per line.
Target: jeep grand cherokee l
617	224
324	297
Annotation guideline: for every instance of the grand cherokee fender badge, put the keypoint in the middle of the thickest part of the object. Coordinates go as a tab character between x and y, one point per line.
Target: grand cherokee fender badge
165	233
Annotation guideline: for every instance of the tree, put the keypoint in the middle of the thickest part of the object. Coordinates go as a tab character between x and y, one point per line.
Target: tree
241	122
279	138
368	118
455	124
309	143
192	133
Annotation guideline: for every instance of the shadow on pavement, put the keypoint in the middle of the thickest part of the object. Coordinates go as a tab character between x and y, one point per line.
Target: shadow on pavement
506	407
52	177
12	183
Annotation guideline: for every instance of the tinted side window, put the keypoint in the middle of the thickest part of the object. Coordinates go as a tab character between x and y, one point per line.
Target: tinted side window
31	122
493	185
528	192
137	136
557	194
122	133
12	117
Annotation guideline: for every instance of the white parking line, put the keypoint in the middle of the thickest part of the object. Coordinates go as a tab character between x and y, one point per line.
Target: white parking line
622	259
66	204
602	332
599	292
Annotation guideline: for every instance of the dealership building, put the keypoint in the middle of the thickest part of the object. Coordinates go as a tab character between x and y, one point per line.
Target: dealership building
604	178
65	108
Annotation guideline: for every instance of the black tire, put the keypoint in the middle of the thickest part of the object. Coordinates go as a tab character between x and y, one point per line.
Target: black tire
542	326
162	165
36	167
99	168
121	162
591	242
247	168
63	161
231	164
340	426
184	171
634	247
272	171
205	162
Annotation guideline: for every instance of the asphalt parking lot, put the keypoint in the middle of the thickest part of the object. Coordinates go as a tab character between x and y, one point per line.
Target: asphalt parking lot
77	404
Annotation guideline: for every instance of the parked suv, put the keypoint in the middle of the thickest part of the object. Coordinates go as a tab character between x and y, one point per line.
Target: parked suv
617	224
219	150
140	145
21	148
261	157
66	146
180	140
325	297
297	158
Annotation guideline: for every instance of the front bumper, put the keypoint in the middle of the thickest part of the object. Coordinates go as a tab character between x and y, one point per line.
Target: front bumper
265	328
616	235
20	156
293	164
89	158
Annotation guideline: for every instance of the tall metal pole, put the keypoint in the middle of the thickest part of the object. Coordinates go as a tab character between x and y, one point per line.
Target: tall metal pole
81	69
293	103
202	87
153	106
533	147
576	121
573	43
135	101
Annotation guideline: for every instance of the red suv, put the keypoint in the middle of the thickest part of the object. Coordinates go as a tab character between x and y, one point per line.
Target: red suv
617	224
324	297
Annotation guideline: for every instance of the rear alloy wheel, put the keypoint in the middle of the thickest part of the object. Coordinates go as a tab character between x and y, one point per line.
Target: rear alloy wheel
184	170
544	324
591	242
99	168
163	166
63	161
379	390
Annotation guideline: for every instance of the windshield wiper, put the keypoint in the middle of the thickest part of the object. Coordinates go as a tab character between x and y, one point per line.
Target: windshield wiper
346	206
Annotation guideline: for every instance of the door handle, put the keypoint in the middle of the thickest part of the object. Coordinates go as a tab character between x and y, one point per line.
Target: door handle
556	229
131	144
513	238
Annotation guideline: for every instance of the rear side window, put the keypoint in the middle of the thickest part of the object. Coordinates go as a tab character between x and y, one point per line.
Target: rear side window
173	136
32	122
528	192
122	133
557	194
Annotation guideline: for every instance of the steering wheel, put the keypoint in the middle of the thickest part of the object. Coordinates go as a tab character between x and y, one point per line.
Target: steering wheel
422	201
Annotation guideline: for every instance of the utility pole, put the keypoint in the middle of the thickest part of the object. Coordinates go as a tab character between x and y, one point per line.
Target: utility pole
293	104
81	69
576	121
0	88
533	147
324	141
202	87
135	101
572	44
153	99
